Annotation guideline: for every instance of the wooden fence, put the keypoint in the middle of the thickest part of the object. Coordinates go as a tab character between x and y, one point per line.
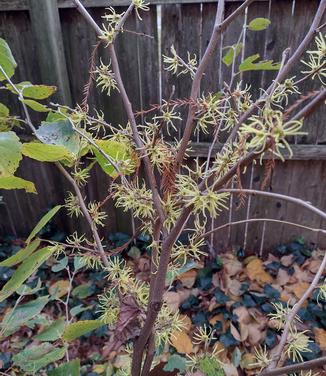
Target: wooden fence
53	44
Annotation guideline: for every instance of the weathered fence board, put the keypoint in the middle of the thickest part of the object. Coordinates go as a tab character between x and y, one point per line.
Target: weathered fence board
187	25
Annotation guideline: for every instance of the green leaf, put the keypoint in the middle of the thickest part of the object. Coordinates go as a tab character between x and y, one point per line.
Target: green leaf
83	291
232	53
79	309
259	24
60	133
21	255
13	182
45	153
43	221
38	91
35	358
176	363
251	64
24	271
60	265
18	317
36	106
7	60
25	290
52	332
53	117
67	369
117	151
10	153
80	328
4	110
79	262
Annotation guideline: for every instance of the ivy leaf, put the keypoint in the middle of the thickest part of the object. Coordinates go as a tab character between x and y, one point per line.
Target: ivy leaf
24	271
13	182
176	362
60	133
10	153
259	24
80	328
18	317
7	61
251	64
117	151
21	255
52	332
34	358
232	53
42	222
67	369
38	91
36	106
46	153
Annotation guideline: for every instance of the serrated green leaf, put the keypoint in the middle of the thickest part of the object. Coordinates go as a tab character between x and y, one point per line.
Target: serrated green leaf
7	61
46	153
251	64
118	152
21	255
176	363
36	106
13	182
60	133
259	24
43	221
18	317
24	271
232	53
35	358
38	91
80	328
52	332
10	153
67	369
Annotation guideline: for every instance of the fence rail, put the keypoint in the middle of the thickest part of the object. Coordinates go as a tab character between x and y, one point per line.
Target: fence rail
52	44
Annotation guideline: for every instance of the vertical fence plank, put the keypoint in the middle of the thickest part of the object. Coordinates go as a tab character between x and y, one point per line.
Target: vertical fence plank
48	39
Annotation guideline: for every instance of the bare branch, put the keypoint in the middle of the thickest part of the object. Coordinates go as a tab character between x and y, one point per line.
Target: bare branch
279	196
250	220
309	365
219	28
85	211
312	106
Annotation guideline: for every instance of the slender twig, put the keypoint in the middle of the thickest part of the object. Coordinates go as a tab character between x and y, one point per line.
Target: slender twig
309	365
129	111
83	248
290	317
279	196
311	106
85	211
123	20
219	28
208	233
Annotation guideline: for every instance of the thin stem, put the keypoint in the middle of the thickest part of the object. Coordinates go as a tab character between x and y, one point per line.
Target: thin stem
208	233
129	111
85	211
309	365
295	309
219	28
311	106
279	196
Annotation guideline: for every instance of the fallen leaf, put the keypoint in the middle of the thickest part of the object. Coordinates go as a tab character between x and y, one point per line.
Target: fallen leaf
230	370
59	288
186	321
235	332
221	351
242	314
287	260
300	288
256	272
231	265
182	342
320	338
172	300
247	361
255	334
282	277
188	278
